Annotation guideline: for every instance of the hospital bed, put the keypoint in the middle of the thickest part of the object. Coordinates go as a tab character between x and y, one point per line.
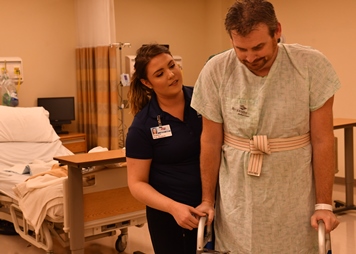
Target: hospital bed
34	191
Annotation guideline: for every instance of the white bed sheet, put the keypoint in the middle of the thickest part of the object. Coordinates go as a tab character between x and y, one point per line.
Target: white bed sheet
8	180
12	153
38	156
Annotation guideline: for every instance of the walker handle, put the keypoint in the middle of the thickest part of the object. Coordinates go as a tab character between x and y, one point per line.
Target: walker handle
203	237
324	239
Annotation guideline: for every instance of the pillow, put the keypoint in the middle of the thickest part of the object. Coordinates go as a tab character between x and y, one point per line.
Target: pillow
25	124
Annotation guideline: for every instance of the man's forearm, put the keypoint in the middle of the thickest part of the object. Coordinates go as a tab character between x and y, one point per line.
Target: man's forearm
324	170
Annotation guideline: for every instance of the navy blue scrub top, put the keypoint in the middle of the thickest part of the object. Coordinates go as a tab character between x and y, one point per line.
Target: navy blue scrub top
174	170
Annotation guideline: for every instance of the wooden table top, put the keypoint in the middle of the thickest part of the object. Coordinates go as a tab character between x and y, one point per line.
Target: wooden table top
93	159
344	122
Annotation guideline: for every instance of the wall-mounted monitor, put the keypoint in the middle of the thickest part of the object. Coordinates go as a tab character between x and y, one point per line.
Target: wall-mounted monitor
61	111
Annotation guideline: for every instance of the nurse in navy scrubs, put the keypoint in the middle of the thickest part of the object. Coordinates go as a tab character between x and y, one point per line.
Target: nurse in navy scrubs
162	150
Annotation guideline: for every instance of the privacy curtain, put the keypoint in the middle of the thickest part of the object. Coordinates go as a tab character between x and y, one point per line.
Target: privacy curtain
97	96
97	82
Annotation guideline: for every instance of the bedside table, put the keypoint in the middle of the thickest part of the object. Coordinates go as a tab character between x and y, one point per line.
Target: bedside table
75	142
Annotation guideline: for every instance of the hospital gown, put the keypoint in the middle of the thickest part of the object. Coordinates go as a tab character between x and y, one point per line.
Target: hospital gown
269	213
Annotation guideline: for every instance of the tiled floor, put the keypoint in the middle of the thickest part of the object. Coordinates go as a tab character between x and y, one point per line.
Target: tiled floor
343	238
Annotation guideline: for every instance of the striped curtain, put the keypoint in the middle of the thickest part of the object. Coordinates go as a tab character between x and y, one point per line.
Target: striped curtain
97	96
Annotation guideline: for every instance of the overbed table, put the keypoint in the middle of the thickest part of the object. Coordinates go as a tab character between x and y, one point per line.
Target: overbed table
75	187
347	125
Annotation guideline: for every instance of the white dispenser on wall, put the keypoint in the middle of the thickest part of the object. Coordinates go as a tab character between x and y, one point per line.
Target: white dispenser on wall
14	68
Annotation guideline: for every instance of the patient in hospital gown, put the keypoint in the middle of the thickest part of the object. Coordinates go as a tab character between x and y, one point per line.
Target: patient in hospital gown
262	87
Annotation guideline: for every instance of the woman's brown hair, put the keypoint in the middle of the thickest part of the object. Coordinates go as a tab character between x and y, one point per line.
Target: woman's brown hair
139	94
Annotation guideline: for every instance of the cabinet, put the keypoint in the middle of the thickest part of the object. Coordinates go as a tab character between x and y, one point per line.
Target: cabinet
75	142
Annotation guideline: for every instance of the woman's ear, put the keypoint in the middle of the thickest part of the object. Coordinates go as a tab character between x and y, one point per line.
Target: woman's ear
146	83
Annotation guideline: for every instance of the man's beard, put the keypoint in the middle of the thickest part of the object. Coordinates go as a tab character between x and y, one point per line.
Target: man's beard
256	65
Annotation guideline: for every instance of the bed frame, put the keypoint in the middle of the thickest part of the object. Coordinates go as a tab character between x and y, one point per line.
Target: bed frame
95	209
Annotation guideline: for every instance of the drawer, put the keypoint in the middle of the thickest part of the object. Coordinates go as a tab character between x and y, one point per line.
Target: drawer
76	147
75	142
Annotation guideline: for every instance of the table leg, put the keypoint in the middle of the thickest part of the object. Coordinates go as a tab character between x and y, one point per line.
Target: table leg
349	166
76	219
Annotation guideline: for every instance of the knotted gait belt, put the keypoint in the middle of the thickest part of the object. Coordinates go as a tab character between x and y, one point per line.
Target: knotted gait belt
260	145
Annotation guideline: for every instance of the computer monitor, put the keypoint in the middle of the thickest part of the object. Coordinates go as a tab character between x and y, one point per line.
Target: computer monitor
61	111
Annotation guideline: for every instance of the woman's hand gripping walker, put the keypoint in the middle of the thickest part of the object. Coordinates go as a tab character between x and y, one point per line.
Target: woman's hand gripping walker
204	236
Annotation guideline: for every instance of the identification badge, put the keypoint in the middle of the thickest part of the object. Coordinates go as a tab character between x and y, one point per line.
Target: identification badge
162	131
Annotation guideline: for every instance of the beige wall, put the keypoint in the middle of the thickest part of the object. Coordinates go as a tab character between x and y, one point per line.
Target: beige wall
43	34
193	29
